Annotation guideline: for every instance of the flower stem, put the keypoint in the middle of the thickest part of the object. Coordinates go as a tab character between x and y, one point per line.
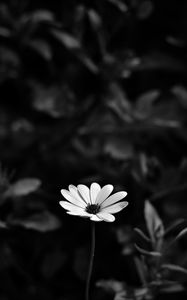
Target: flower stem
91	262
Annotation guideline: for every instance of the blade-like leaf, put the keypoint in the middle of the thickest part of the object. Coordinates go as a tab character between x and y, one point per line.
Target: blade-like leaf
153	222
173	226
181	234
66	39
172	288
141	269
23	187
142	234
42	48
146	252
175	268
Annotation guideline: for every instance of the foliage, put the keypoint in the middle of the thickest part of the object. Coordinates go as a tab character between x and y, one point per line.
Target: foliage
153	267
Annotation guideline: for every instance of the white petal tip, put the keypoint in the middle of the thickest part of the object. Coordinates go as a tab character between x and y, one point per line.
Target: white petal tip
63	191
61	203
125	194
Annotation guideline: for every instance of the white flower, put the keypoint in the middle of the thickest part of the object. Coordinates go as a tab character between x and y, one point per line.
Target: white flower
94	203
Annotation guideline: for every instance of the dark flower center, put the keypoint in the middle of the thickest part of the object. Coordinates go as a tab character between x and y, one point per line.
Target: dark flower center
92	208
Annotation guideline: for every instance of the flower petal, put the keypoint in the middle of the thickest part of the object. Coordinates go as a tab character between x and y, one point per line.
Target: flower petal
69	206
106	217
114	198
95	218
74	192
84	192
104	193
79	213
68	196
112	209
94	191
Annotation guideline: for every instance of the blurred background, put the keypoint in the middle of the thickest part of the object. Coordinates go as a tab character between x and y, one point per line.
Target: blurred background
90	91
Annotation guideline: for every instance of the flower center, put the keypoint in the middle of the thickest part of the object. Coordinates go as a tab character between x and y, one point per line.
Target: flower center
92	208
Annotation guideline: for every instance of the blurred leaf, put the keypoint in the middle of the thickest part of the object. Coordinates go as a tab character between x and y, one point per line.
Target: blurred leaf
118	102
111	285
3	225
88	63
66	39
141	269
120	5
144	9
154	223
144	103
148	253
9	63
175	268
43	222
159	61
95	19
41	47
5	32
23	187
118	148
173	226
181	93
181	234
174	41
42	16
55	100
172	288
159	110
142	234
125	236
135	293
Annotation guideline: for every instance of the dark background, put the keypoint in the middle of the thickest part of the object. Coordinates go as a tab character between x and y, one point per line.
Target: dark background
90	91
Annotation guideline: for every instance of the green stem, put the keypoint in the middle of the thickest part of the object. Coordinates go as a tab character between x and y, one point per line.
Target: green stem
91	262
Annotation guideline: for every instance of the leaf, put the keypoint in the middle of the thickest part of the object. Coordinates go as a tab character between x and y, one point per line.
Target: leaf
119	103
88	63
175	268
42	48
181	234
141	269
66	39
95	19
5	32
181	93
146	252
173	288
145	9
159	61
43	222
23	187
177	42
42	16
142	234
120	5
111	285
3	225
144	104
135	293
173	226
118	148
153	222
55	100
